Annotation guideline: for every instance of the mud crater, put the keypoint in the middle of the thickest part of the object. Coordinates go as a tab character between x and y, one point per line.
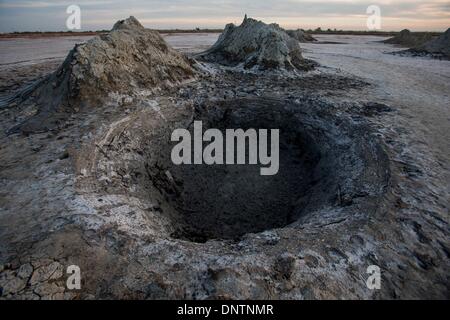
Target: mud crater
327	161
321	163
228	201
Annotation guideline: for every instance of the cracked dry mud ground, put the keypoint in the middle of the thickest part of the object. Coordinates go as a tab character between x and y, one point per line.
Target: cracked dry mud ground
370	187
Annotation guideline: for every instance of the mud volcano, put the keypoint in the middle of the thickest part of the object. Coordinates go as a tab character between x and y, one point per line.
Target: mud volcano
410	39
439	46
101	192
325	162
127	59
256	45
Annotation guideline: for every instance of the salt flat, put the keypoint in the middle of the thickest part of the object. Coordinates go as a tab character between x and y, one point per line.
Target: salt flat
419	87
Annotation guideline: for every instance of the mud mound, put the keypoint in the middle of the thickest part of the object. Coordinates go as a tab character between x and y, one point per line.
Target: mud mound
438	48
440	45
257	45
301	36
127	58
407	38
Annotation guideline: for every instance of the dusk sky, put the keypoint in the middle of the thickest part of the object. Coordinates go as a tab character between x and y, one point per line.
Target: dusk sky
50	15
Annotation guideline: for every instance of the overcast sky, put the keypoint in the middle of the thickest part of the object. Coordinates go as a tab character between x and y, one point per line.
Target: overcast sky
50	15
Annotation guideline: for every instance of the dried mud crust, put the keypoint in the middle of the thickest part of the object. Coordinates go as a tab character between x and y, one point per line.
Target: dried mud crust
340	176
97	194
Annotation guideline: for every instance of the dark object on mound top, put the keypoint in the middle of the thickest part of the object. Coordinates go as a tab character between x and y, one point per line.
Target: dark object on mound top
410	39
130	24
129	57
257	45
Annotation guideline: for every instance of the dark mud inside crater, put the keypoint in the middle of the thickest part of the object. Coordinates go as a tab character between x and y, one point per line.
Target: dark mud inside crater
325	162
228	201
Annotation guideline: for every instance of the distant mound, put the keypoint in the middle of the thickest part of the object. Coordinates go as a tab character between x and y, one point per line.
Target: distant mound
127	58
410	39
301	35
256	45
439	46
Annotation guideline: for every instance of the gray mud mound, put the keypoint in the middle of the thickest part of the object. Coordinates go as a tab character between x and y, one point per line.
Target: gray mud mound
439	46
301	35
129	57
257	45
409	39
